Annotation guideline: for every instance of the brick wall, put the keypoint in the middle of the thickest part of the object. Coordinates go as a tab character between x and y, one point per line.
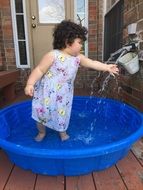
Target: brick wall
2	53
92	29
127	87
132	85
7	55
1	45
86	77
7	52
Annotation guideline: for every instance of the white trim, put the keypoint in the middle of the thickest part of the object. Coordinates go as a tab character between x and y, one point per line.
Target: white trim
107	11
15	35
104	12
104	7
75	8
86	21
19	13
26	34
14	27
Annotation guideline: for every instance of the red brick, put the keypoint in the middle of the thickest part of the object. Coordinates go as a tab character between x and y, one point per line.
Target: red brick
0	61
131	16
92	31
9	53
140	8
138	94
5	3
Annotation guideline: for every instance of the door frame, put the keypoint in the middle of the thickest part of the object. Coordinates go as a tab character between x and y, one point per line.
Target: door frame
86	22
28	35
15	35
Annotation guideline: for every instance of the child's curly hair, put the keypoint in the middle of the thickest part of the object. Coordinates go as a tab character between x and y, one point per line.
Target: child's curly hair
66	32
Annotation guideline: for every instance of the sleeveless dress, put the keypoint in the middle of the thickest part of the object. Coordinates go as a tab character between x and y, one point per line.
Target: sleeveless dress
53	93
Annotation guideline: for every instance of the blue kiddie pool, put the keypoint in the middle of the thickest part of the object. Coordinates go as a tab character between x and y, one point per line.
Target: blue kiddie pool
101	133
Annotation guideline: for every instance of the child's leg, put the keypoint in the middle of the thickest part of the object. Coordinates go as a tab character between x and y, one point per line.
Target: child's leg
64	136
42	132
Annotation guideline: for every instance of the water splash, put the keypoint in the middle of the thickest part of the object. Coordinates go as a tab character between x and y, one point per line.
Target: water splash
86	138
101	91
104	85
82	114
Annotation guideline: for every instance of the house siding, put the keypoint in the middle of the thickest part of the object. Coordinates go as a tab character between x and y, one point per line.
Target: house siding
132	85
7	55
128	88
86	76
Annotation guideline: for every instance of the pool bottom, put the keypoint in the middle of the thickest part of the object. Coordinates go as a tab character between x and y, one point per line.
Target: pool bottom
86	131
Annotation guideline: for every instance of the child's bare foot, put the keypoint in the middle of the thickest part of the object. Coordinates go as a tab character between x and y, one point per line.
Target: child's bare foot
40	137
42	132
64	136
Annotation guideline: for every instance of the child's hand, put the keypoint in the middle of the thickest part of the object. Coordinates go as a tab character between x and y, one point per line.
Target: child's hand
29	90
113	69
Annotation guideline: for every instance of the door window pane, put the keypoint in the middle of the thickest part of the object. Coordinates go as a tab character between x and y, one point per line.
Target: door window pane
22	52
20	35
18	6
51	11
20	27
81	18
81	12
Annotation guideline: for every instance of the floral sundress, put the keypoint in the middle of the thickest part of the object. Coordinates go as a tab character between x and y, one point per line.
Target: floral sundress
53	93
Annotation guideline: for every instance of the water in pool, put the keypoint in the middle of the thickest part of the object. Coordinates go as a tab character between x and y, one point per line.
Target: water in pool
86	129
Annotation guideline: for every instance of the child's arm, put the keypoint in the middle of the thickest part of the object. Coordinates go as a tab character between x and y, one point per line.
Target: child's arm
86	62
38	72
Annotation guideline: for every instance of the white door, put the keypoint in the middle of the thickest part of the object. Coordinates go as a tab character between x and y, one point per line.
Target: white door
42	15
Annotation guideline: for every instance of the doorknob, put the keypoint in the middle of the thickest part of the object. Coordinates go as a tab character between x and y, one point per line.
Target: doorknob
33	17
33	25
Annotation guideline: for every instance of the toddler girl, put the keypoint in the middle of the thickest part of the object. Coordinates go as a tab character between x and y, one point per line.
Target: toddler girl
51	82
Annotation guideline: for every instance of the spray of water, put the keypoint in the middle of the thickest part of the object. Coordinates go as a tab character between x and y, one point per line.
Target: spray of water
89	136
102	92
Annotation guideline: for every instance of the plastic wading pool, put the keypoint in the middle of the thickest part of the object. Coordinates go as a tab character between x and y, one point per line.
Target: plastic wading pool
101	133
